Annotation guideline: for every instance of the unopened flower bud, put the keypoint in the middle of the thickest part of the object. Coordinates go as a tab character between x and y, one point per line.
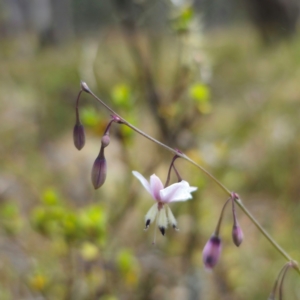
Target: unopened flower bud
237	234
105	140
211	252
99	170
78	136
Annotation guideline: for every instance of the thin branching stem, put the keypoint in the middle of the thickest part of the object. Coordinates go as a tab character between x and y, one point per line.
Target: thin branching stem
177	173
85	88
273	292
217	230
170	168
282	280
233	212
76	107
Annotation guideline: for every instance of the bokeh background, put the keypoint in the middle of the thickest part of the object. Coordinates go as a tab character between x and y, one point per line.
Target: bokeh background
218	80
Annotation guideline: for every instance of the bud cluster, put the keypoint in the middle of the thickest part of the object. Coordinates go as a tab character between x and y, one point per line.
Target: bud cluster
212	249
99	169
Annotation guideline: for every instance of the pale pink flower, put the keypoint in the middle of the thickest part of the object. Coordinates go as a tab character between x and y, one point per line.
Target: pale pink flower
180	191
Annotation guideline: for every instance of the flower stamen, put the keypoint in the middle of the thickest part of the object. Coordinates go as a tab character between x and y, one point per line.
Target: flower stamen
171	218
150	216
162	220
154	239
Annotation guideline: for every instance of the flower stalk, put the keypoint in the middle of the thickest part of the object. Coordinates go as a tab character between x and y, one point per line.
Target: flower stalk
170	169
279	280
85	88
217	230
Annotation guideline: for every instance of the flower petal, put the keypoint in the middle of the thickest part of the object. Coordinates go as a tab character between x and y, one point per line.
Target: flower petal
180	191
171	218
155	186
151	214
143	181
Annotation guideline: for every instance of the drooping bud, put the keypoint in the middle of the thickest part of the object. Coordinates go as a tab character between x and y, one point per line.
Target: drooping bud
78	135
99	170
237	234
211	252
105	140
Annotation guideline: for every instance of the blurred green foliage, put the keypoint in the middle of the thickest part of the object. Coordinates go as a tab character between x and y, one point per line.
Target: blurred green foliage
182	22
10	218
54	219
200	93
122	96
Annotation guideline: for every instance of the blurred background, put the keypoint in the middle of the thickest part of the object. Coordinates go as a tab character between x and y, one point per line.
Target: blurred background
218	80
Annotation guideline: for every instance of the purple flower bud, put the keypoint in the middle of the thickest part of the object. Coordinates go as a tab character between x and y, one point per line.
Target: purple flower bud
99	170
237	234
211	252
78	136
105	140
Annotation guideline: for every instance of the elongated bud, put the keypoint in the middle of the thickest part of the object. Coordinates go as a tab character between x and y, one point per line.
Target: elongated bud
99	170
78	135
237	234
105	140
211	252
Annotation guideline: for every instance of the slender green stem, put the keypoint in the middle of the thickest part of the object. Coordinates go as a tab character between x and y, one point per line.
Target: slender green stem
267	235
178	153
294	263
235	222
282	280
217	230
273	292
76	108
262	230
